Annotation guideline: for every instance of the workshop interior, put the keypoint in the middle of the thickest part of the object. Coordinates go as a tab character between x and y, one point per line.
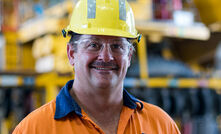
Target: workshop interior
176	65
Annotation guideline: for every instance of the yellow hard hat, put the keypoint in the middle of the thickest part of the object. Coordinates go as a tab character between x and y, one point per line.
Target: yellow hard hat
103	17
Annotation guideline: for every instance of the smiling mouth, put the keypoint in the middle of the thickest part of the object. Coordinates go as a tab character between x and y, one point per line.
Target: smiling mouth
104	68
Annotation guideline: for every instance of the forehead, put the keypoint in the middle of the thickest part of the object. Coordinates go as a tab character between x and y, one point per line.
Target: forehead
102	37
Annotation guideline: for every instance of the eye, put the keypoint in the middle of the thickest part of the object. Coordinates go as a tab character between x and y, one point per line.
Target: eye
119	48
116	46
93	46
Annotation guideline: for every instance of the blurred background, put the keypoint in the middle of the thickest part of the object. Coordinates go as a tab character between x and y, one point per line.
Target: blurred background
177	64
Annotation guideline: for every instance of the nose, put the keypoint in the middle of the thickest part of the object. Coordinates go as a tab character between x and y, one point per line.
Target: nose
105	54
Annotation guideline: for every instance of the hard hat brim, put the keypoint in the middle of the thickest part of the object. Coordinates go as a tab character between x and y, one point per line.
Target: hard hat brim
102	31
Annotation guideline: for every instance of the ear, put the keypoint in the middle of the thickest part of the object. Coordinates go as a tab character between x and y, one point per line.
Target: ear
70	53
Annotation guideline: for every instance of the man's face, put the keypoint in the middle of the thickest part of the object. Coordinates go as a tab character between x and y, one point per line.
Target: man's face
101	61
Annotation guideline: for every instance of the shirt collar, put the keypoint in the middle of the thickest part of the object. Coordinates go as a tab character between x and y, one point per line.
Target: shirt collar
65	104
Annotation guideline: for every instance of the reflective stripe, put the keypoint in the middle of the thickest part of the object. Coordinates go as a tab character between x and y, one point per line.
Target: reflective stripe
122	9
91	9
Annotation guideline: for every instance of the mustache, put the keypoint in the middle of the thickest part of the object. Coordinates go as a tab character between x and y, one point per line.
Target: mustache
104	64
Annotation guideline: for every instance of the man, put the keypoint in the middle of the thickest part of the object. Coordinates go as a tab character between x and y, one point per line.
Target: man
100	49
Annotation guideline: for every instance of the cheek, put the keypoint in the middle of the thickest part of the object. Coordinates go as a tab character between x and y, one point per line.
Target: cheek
124	61
85	59
126	58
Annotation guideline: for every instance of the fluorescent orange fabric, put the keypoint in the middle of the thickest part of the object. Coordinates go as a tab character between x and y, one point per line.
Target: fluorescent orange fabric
150	120
64	116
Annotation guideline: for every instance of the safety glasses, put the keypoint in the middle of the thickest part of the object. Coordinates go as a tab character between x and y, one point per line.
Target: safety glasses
95	46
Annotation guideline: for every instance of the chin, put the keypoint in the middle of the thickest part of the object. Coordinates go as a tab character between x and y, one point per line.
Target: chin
104	85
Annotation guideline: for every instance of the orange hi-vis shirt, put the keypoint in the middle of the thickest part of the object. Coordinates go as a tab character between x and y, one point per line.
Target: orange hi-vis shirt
64	116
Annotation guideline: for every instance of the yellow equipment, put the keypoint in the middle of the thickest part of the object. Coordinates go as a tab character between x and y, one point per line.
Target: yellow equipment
103	17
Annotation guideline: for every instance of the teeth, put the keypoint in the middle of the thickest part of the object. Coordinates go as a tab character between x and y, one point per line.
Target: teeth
104	68
100	68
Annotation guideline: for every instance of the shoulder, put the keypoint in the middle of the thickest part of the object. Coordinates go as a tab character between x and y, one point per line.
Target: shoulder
45	111
158	118
38	118
154	111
